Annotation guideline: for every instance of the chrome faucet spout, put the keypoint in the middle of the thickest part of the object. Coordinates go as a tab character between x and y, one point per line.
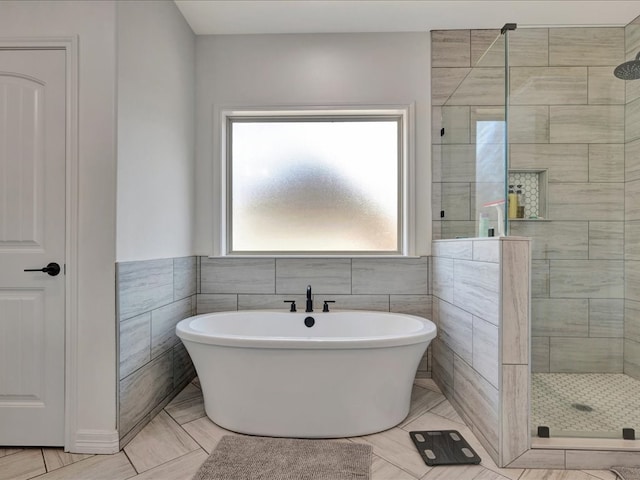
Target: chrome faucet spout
309	300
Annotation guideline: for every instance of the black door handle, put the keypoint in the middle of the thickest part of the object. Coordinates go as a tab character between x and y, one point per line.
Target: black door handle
52	269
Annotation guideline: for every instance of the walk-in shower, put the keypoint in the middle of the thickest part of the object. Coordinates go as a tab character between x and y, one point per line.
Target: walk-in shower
541	119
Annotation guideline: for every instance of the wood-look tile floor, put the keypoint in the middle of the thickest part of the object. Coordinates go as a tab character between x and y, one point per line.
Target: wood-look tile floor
179	439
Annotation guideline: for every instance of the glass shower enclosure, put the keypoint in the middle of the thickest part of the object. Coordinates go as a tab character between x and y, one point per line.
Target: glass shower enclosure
540	122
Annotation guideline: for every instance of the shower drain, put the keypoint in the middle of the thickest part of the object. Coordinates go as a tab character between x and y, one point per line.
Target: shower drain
582	407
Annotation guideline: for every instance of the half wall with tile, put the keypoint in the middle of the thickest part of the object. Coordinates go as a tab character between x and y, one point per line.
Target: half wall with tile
154	366
398	285
481	304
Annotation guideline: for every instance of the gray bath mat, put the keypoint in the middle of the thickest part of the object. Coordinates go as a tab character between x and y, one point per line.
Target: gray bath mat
627	473
262	458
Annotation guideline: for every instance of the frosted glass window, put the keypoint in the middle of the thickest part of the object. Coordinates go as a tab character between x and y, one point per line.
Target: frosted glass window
314	185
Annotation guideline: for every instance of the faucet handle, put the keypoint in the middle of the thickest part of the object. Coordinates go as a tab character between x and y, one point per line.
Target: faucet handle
293	305
325	307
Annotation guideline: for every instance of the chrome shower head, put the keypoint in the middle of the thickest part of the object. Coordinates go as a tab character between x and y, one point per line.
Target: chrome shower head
629	70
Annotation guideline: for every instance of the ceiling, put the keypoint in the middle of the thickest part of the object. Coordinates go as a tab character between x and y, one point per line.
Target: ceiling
207	17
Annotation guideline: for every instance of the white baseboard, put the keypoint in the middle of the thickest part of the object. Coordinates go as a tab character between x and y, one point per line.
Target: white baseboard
95	441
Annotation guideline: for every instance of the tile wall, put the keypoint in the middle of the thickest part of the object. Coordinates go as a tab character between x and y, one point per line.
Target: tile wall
569	120
153	296
567	116
481	355
632	209
392	285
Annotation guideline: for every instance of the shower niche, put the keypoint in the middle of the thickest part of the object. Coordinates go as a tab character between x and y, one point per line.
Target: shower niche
530	187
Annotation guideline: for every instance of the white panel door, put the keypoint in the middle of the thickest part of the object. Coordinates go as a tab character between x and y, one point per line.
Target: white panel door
32	235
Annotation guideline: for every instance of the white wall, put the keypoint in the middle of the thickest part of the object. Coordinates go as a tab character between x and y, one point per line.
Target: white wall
94	23
156	99
323	69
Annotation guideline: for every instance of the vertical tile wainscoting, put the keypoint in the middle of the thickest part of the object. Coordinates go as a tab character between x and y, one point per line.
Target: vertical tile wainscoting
481	354
153	296
398	285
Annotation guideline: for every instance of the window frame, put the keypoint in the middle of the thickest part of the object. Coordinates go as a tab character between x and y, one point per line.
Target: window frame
406	197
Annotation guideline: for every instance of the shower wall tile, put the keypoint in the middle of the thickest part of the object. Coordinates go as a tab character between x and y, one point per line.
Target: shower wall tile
516	264
211	302
564	162
529	47
237	275
144	286
141	391
494	133
632	160
454	120
529	124
586	201
459	229
485	350
632	200
632	320
455	329
135	343
486	251
483	86
390	276
462	249
606	318
478	399
606	240
515	412
184	277
632	281
587	279
379	303
540	354
632	121
332	276
548	85
457	164
476	286
632	358
560	317
555	240
586	355
586	124
443	278
632	241
445	81
269	302
606	162
163	324
450	48
456	201
632	91
420	305
487	48
586	46
540	278
604	88
436	204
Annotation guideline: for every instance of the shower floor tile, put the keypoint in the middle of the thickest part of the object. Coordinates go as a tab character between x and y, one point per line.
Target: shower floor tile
585	403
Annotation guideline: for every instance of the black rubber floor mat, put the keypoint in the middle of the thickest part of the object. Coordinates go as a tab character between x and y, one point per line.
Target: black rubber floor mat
444	447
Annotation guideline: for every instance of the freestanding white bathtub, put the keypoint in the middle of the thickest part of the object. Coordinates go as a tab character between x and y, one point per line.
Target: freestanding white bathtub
267	373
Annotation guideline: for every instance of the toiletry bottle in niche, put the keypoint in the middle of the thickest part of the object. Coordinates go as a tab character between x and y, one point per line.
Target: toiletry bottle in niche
513	203
520	196
483	225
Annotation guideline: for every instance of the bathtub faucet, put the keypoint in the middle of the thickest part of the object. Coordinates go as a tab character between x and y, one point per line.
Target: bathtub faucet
309	300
